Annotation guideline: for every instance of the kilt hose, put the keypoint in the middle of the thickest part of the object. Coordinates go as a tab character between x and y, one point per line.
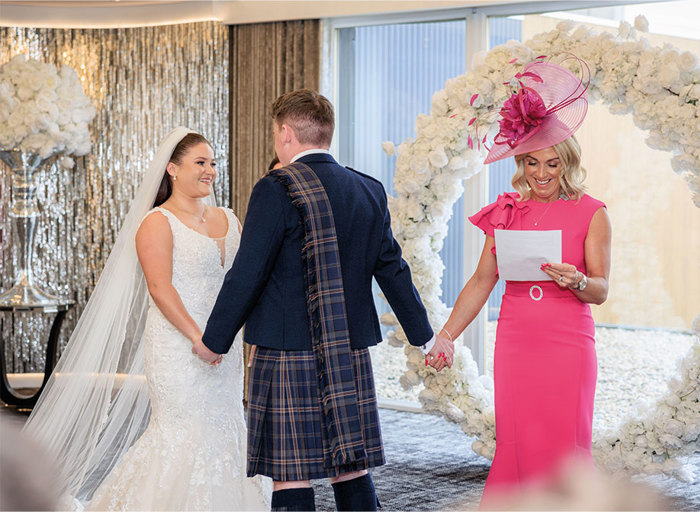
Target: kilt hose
285	439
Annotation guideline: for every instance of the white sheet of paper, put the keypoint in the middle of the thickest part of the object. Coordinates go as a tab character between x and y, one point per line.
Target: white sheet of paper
520	253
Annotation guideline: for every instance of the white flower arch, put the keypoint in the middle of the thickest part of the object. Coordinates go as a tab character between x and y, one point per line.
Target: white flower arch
660	87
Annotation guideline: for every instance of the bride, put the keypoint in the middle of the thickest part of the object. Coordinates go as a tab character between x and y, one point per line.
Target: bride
129	365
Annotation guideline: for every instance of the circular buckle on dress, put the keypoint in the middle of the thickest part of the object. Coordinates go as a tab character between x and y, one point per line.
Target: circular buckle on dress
532	295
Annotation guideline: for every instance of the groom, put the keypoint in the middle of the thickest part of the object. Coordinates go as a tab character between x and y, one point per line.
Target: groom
315	235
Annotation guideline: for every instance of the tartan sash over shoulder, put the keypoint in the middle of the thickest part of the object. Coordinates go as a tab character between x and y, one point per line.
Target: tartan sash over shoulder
343	441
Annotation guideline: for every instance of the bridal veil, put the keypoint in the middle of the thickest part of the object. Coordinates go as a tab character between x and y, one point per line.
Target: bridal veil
96	402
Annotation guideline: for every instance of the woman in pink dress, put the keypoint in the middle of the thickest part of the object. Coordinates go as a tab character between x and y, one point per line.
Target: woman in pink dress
545	361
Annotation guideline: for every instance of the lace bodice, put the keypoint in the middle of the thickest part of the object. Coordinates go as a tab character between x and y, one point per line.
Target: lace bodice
197	268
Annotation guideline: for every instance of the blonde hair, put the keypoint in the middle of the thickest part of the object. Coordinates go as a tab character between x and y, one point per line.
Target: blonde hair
571	176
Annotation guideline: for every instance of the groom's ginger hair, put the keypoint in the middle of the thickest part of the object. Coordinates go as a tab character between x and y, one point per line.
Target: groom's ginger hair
308	113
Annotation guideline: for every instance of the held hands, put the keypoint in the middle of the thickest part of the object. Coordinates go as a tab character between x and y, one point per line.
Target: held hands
201	350
564	274
442	353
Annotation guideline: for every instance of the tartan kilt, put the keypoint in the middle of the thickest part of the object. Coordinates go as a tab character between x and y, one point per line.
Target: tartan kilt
284	416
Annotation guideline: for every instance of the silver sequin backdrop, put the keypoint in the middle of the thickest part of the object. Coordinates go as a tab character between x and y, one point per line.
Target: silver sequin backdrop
143	82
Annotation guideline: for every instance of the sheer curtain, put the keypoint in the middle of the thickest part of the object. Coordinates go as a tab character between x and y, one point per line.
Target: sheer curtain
267	60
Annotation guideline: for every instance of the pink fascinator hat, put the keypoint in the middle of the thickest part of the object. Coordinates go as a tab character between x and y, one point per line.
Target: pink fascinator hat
548	107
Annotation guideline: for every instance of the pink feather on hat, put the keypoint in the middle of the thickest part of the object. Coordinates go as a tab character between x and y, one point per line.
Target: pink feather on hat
547	109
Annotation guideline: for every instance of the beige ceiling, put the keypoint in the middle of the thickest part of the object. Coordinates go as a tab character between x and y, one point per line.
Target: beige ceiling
120	13
129	13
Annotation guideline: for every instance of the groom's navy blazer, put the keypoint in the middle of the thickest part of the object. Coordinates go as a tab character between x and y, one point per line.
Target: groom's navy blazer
265	287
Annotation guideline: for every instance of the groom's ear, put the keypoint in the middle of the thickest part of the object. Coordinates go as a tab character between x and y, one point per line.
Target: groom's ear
287	133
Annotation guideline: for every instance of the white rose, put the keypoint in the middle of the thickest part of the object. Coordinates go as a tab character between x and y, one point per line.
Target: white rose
453	413
25	93
673	427
16	119
668	74
641	23
415	212
695	325
565	25
688	61
66	162
580	33
6	89
438	104
422	121
388	319
389	148
409	379
419	164
625	30
43	103
34	142
47	149
63	117
393	340
437	157
478	59
619	108
83	148
7	139
671	442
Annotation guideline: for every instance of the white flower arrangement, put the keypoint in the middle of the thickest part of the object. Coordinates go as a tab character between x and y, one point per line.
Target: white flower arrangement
666	432
660	87
43	110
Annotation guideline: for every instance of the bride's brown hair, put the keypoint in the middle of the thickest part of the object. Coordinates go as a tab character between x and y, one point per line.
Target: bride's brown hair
166	185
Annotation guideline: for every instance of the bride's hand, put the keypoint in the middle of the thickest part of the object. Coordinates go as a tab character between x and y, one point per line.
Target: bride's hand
201	350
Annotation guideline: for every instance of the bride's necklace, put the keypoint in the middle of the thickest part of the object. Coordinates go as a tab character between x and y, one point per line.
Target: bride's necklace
200	218
536	222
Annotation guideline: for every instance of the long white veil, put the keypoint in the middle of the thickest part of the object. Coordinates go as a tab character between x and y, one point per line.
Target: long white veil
96	402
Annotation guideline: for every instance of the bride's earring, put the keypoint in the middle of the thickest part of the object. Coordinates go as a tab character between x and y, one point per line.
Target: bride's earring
174	178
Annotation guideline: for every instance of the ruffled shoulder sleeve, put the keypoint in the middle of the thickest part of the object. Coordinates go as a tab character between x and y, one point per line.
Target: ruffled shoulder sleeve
504	213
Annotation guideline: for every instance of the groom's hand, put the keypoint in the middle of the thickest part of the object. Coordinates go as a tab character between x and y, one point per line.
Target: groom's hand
441	354
201	350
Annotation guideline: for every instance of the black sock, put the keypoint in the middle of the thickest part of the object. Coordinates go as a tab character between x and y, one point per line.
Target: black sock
356	494
300	499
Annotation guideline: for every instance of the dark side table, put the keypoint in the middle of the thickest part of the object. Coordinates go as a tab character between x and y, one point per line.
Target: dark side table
7	393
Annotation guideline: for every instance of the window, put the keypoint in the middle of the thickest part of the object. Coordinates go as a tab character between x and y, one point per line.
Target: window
387	75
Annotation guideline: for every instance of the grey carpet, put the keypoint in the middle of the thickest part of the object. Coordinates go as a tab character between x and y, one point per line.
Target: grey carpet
431	467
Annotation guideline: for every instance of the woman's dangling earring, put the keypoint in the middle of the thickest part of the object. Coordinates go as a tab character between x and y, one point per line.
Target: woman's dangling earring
174	178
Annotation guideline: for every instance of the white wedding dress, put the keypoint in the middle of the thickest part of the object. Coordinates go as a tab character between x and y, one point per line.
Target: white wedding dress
192	455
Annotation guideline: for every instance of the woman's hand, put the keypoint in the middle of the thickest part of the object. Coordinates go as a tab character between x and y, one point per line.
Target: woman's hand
564	274
597	261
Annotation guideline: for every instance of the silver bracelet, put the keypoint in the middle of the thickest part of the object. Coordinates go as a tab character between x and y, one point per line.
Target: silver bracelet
448	334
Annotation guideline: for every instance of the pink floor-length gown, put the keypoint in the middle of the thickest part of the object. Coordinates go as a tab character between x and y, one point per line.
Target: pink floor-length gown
545	362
